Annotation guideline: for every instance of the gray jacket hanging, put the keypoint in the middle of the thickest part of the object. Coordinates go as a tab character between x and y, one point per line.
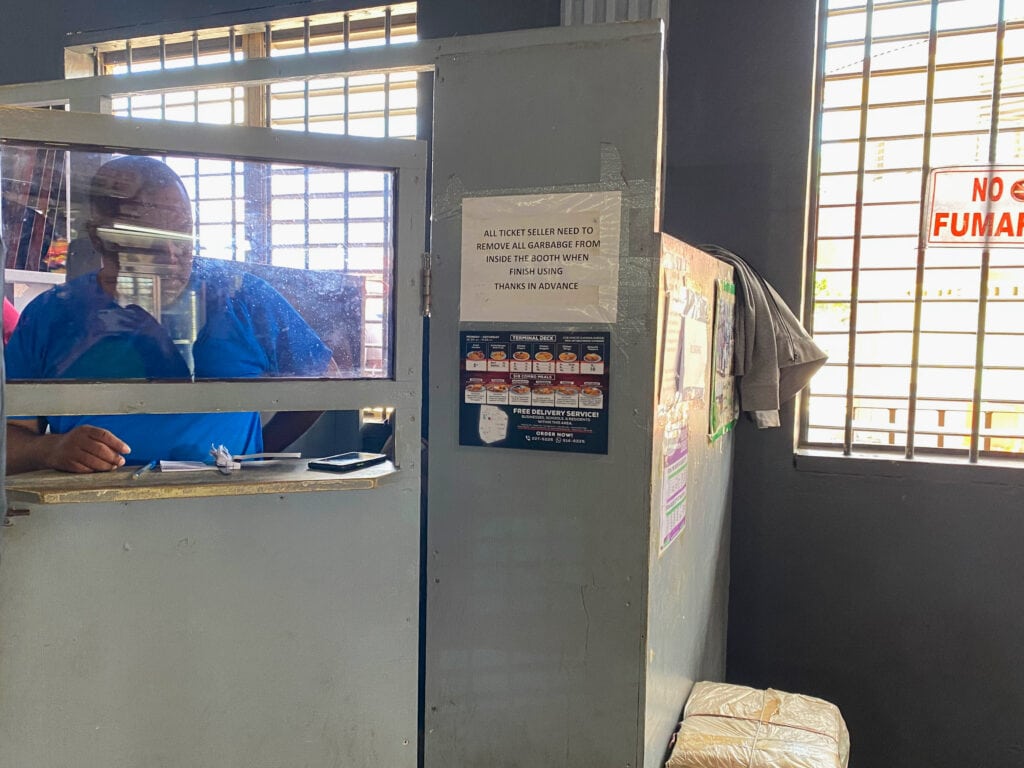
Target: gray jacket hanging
775	356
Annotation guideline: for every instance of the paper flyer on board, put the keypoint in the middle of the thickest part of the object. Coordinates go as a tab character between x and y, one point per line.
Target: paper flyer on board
723	410
673	486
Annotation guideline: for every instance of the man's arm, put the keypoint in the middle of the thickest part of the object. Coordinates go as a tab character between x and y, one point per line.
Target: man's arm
83	449
286	427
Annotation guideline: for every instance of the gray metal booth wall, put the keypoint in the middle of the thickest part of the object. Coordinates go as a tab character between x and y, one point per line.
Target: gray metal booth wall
260	621
556	635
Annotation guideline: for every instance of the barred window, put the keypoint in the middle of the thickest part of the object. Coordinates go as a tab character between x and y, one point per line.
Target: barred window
926	343
309	218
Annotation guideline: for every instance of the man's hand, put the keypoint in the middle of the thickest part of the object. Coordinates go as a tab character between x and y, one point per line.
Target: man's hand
88	449
83	449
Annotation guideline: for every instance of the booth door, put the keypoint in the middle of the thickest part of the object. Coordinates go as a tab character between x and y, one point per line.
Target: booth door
270	620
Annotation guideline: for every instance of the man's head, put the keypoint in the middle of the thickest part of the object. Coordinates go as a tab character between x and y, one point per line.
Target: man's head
142	222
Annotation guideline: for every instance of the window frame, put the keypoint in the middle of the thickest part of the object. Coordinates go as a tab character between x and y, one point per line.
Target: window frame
251	18
808	452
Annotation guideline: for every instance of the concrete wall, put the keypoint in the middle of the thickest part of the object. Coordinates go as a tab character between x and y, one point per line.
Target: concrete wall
897	597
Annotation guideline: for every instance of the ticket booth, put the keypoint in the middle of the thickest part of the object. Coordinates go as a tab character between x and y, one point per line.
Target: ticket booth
266	616
565	581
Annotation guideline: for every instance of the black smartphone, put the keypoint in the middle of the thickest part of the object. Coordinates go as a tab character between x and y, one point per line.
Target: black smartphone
347	462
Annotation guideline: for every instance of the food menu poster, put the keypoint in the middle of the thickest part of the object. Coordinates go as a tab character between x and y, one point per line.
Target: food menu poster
535	391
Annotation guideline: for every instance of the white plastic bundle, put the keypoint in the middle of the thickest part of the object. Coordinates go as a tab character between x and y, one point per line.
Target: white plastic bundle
732	726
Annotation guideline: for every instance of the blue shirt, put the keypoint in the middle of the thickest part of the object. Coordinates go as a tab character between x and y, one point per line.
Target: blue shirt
78	331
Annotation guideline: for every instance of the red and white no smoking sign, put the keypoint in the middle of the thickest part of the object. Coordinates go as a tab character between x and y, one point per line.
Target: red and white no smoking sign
976	206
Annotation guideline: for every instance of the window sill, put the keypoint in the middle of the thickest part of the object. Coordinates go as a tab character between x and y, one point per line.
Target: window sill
51	487
927	467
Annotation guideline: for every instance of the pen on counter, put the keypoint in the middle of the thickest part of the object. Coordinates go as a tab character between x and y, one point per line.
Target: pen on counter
144	469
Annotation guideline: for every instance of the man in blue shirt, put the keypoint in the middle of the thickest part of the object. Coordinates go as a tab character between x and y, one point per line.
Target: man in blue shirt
93	328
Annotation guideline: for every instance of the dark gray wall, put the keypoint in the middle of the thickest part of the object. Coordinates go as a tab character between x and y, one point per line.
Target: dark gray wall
897	597
33	36
900	597
446	18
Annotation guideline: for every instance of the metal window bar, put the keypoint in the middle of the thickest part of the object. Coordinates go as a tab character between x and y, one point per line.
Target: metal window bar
305	83
196	208
851	355
915	352
347	34
346	219
163	65
997	76
386	330
346	228
387	76
305	127
811	221
128	65
267	43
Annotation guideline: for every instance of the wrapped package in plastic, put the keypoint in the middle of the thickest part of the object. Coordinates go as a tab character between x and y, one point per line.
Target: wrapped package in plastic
732	726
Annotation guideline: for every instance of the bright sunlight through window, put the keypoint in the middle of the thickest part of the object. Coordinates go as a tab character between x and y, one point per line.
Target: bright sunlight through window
926	344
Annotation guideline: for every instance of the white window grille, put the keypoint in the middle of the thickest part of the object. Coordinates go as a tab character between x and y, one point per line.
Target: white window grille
926	345
310	225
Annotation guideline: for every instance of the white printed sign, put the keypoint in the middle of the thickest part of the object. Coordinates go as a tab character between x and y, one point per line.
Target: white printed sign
977	206
541	258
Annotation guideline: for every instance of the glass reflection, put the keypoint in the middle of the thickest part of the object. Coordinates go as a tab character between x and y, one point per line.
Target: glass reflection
182	268
123	270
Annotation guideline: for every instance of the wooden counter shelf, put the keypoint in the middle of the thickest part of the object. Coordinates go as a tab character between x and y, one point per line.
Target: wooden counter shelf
51	487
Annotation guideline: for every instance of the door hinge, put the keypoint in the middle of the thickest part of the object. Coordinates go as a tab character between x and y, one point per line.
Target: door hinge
426	285
13	512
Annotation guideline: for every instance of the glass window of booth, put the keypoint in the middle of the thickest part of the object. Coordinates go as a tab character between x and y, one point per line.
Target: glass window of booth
368	104
181	267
